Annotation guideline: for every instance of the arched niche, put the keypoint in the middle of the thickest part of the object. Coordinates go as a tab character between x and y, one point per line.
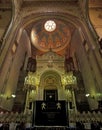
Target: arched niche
50	80
50	85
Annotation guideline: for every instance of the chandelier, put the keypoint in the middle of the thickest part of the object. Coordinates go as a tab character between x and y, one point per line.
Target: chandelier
30	82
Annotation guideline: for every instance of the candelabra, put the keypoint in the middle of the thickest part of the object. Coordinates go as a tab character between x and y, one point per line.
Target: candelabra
29	85
30	82
70	82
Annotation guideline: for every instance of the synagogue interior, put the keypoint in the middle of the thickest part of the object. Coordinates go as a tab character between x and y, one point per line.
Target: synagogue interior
51	63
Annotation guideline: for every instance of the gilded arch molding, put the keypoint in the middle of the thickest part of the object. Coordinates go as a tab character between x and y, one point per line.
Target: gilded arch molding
50	80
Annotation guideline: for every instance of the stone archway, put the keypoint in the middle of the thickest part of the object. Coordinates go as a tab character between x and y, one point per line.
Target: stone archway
50	82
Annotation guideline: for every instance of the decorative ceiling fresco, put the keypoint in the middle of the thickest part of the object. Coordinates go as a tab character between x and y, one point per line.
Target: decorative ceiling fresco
56	40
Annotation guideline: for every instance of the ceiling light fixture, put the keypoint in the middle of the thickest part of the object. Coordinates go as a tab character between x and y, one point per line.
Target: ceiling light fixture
50	25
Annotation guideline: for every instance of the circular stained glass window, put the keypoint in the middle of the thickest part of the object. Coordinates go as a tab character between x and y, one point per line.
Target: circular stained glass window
50	25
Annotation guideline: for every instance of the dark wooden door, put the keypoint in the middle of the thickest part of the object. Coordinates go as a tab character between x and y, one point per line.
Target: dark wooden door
50	95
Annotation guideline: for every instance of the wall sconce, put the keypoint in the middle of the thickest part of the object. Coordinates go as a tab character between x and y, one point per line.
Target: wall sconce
11	97
1	95
88	95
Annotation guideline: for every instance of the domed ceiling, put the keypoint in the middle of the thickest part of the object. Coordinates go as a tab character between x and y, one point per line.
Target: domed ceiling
52	35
